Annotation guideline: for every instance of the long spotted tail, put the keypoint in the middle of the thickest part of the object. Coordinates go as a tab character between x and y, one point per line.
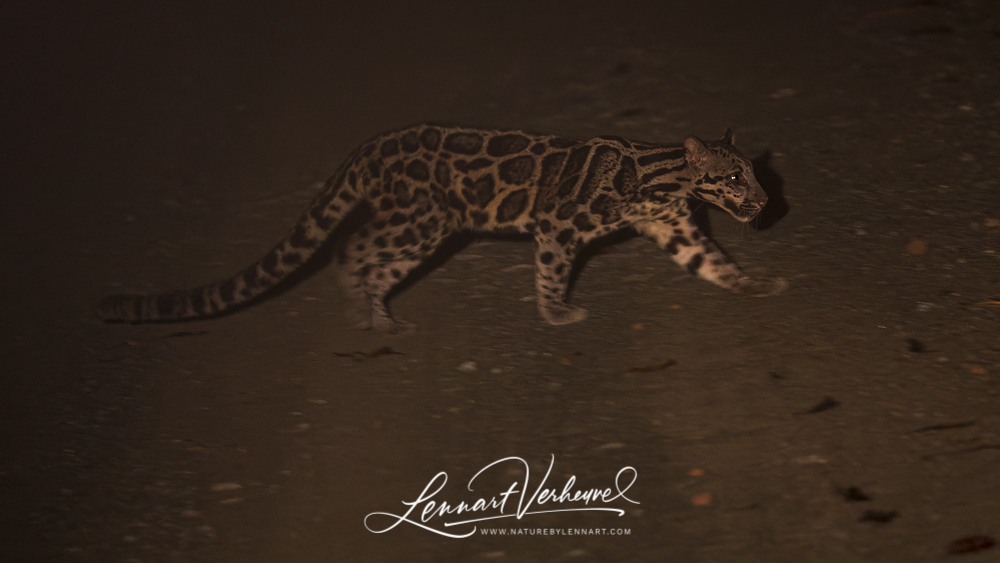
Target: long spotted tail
289	255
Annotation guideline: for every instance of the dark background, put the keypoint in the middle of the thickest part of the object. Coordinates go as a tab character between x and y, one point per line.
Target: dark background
155	145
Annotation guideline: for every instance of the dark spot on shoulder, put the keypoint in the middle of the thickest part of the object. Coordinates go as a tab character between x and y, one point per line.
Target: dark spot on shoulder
455	202
575	161
430	138
479	218
509	143
517	170
606	208
409	142
583	223
484	188
442	173
566	187
417	169
551	164
512	206
463	143
477	164
389	148
565	236
625	179
566	211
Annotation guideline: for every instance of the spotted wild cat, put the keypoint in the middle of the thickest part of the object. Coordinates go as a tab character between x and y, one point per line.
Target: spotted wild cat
424	183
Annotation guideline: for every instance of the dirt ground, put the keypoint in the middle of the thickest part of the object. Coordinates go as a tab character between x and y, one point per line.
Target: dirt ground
154	146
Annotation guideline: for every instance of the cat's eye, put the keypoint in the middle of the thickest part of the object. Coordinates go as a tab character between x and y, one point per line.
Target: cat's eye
734	177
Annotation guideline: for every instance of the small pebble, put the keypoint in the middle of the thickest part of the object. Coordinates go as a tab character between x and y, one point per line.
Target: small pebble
702	499
916	247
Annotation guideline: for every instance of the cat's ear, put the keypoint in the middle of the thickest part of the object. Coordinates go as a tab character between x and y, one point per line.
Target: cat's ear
695	151
729	138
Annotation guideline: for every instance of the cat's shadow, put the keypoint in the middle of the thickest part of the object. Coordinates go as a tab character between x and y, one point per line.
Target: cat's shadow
774	186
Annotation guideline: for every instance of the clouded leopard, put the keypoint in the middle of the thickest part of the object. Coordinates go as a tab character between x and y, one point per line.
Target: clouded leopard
421	184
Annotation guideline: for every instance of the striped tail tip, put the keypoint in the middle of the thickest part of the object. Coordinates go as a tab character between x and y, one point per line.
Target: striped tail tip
136	308
120	307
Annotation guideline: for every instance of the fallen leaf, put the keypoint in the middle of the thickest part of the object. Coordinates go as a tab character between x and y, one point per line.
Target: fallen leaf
879	516
696	472
992	222
971	544
657	367
826	404
853	494
948	426
384	351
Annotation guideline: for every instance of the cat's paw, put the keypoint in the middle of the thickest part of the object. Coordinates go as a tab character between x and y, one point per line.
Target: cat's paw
561	313
392	326
764	287
360	319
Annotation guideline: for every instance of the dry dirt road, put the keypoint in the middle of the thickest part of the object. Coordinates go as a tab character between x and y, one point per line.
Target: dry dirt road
151	145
